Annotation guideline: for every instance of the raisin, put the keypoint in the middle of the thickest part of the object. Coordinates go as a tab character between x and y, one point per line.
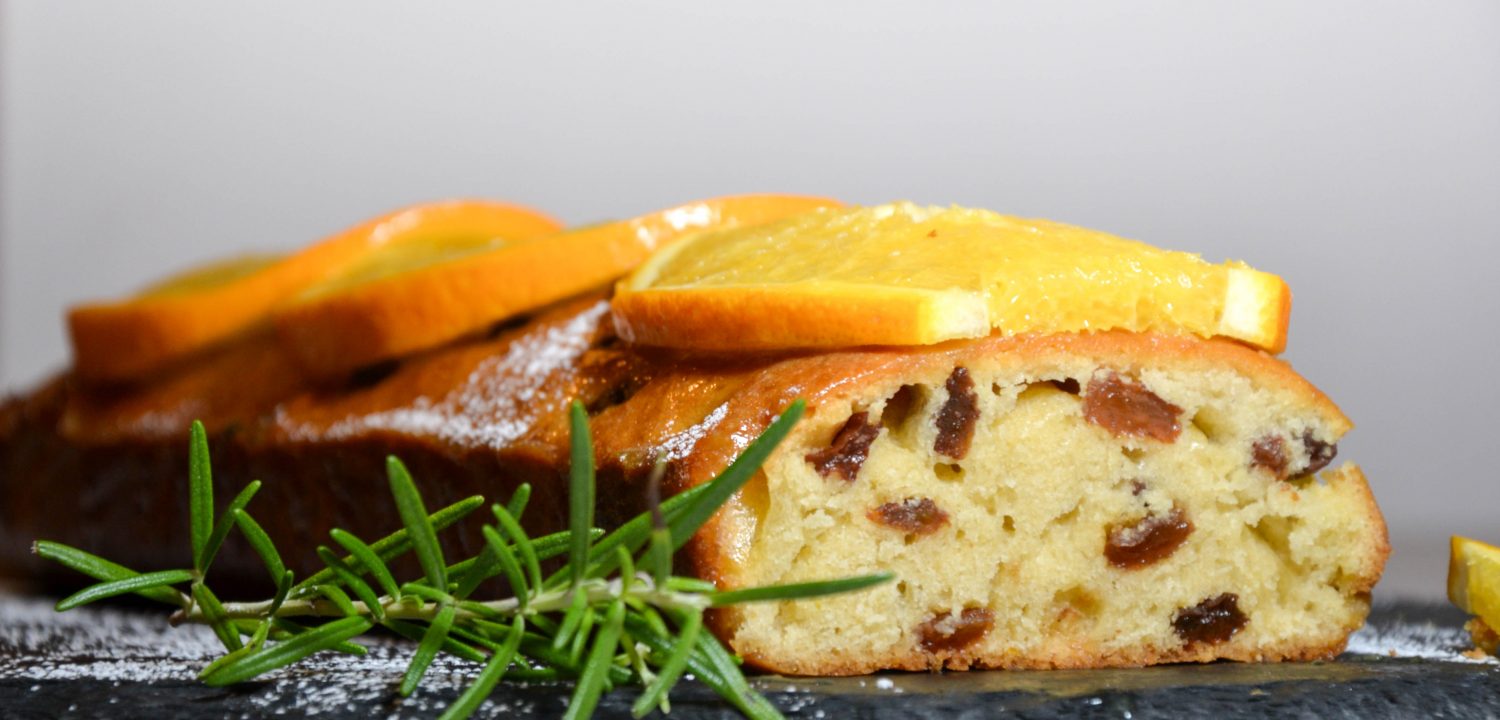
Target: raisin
1147	540
1214	620
947	633
1067	385
921	516
847	452
1126	407
955	421
1319	453
1269	453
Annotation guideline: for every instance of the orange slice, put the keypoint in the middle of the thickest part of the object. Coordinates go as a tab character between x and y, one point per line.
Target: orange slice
423	295
121	340
1474	579
907	275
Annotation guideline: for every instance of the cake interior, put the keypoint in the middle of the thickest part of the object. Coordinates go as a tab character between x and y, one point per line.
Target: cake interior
1072	515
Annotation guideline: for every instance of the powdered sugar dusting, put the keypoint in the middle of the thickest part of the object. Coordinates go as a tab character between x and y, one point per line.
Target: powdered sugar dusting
678	446
125	646
1415	640
497	403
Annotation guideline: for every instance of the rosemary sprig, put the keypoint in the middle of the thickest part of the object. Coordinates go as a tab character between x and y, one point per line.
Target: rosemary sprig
596	620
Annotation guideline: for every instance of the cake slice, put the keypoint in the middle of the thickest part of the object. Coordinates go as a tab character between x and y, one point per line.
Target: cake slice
1056	501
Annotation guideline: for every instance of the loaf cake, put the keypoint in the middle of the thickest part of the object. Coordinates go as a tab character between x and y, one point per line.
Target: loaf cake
1072	500
1045	499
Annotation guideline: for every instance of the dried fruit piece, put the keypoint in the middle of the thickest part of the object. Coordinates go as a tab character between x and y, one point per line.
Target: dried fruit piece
1067	385
1214	620
1319	453
1126	407
947	632
1269	453
920	516
1147	540
847	452
955	420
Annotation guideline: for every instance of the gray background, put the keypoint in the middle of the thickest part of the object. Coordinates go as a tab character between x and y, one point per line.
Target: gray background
1349	146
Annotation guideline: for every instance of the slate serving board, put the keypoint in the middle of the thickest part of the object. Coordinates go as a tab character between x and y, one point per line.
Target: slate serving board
127	662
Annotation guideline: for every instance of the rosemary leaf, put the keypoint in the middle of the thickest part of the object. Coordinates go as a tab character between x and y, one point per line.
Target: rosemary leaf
283	587
596	669
677	583
479	609
540	649
545	547
256	641
132	584
744	467
518	500
350	579
754	704
288	629
798	591
426	593
367	560
473	636
671	669
398	542
580	490
493	670
508	563
627	571
200	493
551	546
261	543
213	612
485	566
287	652
226	522
701	667
432	641
659	555
451	645
631	535
510	523
100	569
418	527
581	636
339	598
571	619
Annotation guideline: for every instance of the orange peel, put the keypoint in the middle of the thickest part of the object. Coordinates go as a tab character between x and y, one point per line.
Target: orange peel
392	305
901	274
124	340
